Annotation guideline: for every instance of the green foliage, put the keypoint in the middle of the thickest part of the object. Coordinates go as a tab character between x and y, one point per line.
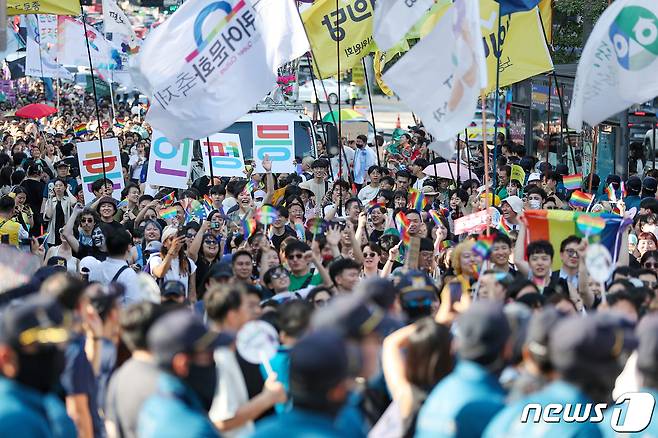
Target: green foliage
572	22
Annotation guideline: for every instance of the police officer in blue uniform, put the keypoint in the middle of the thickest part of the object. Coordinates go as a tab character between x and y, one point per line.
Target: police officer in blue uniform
318	386
32	341
464	402
588	353
183	348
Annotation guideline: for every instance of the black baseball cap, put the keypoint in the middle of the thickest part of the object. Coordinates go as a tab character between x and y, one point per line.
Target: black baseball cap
318	362
181	331
482	331
172	288
594	344
37	320
416	286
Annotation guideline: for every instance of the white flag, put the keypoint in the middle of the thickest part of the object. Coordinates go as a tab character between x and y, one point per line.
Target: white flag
394	18
72	46
115	20
440	78
222	61
619	64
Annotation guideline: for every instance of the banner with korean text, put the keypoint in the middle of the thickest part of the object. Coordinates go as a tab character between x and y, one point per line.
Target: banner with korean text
274	136
169	165
226	152
91	160
58	7
350	27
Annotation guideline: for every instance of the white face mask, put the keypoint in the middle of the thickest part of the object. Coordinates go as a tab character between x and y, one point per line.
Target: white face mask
534	204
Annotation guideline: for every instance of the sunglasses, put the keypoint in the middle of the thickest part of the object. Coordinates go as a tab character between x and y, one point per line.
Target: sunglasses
369	254
210	242
190	236
650	265
88	220
296	256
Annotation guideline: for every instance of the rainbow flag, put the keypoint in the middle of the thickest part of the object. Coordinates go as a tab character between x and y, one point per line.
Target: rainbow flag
589	225
504	228
436	217
80	130
266	214
557	225
250	187
249	227
123	203
622	190
301	232
573	182
120	123
196	209
483	246
169	199
581	200
402	225
417	200
168	213
207	203
446	244
612	195
316	225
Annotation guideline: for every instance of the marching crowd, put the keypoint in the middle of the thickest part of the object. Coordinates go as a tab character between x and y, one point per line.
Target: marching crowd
391	319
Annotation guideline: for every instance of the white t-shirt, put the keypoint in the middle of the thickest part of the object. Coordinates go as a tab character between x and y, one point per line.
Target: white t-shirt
368	193
174	270
230	393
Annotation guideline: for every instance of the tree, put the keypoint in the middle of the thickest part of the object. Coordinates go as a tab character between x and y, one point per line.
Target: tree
573	21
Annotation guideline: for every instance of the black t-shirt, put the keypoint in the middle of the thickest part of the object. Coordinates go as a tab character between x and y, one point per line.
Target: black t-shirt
375	235
84	251
111	227
276	240
34	191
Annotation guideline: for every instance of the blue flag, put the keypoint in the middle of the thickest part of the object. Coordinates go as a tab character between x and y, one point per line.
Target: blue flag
512	6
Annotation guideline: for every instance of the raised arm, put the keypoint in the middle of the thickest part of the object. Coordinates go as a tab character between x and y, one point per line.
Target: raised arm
67	233
195	246
519	252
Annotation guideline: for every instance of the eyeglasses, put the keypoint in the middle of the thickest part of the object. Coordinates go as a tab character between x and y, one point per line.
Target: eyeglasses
571	252
369	254
295	256
649	265
280	274
87	220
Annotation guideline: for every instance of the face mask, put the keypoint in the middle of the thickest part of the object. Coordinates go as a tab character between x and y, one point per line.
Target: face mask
534	204
41	370
203	380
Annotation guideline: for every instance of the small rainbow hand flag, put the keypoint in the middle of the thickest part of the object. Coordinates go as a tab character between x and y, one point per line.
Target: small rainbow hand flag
436	217
207	202
168	213
483	246
267	214
573	182
250	187
417	200
612	195
80	130
123	203
316	225
169	199
120	123
580	200
249	227
402	225
196	209
504	228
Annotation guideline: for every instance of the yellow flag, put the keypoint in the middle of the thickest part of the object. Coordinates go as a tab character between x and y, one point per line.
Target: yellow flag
57	7
378	65
518	173
524	51
351	28
546	11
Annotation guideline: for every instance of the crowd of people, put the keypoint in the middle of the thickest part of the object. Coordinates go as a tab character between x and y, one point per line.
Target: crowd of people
389	322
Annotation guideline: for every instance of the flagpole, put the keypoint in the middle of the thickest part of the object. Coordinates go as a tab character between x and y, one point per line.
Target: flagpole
458	161
486	156
93	86
372	111
210	166
468	154
340	130
499	53
595	142
317	101
548	121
